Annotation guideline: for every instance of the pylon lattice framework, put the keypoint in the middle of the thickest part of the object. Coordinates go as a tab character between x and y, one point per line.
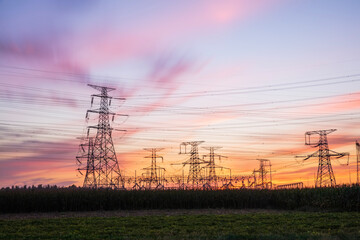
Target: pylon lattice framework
155	175
325	174
194	161
211	166
102	168
263	176
86	153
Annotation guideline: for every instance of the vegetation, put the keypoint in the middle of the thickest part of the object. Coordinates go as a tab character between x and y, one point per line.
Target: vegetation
298	225
48	199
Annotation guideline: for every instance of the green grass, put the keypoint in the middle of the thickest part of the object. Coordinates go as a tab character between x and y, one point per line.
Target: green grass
296	225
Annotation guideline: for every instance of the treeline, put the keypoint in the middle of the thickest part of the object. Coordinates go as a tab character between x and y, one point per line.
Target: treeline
52	198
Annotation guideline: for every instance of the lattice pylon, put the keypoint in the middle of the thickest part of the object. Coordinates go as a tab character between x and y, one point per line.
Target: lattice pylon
194	162
103	169
325	174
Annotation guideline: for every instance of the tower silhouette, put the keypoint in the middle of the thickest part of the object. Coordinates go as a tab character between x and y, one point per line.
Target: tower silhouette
86	153
210	168
263	176
155	176
102	167
194	161
325	174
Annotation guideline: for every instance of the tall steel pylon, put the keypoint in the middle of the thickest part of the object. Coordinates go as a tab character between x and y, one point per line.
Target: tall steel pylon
155	177
325	174
194	161
264	173
102	167
357	162
211	166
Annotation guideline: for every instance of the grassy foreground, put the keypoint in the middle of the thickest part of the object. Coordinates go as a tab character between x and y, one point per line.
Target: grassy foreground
296	225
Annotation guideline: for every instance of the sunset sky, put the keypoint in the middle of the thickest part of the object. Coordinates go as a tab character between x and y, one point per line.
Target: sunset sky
251	76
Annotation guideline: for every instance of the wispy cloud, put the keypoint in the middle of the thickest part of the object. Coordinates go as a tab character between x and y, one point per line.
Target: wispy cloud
338	104
38	160
51	98
59	42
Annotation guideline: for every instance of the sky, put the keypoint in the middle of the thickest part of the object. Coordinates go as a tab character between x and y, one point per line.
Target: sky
248	76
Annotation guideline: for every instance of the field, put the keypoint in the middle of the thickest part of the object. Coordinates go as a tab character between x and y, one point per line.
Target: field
290	225
79	213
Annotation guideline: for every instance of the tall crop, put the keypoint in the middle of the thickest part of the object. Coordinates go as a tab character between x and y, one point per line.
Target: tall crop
46	199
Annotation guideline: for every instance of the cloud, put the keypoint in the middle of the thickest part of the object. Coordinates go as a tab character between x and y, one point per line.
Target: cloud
51	98
37	159
164	78
67	40
341	103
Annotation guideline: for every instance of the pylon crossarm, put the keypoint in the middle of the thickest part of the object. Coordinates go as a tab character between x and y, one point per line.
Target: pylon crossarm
100	88
218	166
101	111
201	161
119	130
315	154
107	96
99	127
152	149
119	98
176	163
338	155
101	96
347	162
328	131
184	163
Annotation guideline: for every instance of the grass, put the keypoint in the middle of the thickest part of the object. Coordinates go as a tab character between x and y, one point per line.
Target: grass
292	225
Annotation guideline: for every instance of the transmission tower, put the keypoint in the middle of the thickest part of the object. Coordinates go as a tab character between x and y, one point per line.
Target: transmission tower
210	168
357	162
194	161
325	174
102	168
155	173
86	153
263	176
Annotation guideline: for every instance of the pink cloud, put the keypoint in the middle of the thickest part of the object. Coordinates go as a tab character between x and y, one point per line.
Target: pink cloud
105	43
164	77
78	48
38	160
336	104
